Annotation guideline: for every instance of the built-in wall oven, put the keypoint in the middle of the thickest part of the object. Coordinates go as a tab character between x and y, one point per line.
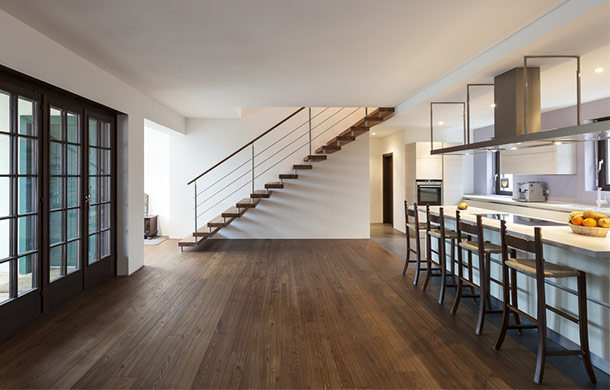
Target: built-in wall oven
429	192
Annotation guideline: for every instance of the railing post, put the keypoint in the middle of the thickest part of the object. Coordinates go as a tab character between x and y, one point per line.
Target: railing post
196	225
310	131
252	168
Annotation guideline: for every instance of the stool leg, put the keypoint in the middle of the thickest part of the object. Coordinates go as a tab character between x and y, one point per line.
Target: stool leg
452	258
541	324
505	310
418	256
443	264
488	280
428	260
513	290
460	283
583	326
408	257
470	277
482	294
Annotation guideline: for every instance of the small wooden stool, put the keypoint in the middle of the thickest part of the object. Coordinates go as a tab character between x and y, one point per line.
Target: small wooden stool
477	246
413	226
435	227
540	269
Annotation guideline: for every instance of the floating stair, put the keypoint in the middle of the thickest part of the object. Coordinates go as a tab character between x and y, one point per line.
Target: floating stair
234	212
315	157
302	166
247	203
220	222
334	145
260	194
275	184
328	149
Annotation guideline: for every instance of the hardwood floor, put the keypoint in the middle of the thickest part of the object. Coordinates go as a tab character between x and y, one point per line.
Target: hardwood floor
265	314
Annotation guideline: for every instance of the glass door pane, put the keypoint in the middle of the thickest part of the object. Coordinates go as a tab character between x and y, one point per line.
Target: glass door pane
99	169
65	202
19	188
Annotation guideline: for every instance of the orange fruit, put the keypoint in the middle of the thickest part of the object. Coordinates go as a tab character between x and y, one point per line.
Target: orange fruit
577	221
589	222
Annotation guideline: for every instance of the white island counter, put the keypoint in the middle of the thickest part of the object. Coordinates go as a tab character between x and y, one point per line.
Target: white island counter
561	246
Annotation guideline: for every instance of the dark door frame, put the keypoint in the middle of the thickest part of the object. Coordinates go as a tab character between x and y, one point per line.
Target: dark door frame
387	187
17	313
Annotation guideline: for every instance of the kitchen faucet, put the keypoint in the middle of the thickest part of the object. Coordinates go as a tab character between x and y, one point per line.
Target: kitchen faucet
600	202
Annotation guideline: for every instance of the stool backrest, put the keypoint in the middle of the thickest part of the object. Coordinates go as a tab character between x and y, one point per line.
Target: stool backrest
435	221
412	213
523	244
471	229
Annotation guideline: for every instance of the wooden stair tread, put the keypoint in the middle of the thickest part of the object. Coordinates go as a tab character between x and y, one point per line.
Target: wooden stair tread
220	222
315	157
248	203
288	176
328	149
206	231
190	241
302	166
256	195
274	184
234	212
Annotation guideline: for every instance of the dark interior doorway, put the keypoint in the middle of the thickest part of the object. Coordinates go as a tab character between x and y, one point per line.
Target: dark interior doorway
388	189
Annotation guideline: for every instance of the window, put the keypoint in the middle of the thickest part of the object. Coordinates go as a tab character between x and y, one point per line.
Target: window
504	182
603	171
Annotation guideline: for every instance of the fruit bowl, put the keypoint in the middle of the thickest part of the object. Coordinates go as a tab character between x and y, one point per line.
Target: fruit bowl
589	231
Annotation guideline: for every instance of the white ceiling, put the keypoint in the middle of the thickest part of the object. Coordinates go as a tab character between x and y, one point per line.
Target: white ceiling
587	36
204	58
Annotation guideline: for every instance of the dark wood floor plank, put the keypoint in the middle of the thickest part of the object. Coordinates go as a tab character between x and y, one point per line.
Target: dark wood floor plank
265	314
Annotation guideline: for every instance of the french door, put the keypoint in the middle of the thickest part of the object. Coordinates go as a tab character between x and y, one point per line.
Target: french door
79	176
57	198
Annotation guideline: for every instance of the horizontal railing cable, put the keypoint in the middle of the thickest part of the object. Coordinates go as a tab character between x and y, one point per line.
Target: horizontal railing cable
259	153
273	155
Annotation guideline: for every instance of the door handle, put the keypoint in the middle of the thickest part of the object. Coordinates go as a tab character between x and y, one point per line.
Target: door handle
88	200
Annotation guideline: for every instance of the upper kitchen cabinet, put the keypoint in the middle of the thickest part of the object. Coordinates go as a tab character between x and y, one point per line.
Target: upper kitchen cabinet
556	159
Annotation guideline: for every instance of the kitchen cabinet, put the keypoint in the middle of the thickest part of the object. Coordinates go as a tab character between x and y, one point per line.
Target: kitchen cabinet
543	160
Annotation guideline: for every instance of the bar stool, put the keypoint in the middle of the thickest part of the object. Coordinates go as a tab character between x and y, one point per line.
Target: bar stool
540	269
435	227
415	227
477	246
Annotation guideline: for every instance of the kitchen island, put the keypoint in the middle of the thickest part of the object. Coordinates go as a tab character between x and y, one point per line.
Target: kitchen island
561	246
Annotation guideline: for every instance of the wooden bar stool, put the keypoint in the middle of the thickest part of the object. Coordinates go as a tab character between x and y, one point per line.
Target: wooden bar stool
435	227
413	226
540	269
465	234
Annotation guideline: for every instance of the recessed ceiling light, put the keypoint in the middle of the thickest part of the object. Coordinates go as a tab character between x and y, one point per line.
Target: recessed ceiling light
467	154
373	133
441	123
599	70
513	148
493	105
557	143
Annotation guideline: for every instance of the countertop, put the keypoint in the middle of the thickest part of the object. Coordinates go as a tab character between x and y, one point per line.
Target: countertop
554	206
558	236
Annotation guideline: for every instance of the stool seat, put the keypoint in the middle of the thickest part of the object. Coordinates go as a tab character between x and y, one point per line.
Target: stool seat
449	234
528	266
421	225
473	246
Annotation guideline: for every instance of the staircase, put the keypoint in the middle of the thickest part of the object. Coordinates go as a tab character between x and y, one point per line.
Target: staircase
334	145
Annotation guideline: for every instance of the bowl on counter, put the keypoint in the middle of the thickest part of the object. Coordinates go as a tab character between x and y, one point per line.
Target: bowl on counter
589	231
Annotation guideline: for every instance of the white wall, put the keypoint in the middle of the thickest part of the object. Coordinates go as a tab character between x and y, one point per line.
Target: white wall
26	50
156	176
330	201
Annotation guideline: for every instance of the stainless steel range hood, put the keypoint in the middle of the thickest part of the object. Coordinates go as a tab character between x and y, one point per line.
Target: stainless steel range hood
517	116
